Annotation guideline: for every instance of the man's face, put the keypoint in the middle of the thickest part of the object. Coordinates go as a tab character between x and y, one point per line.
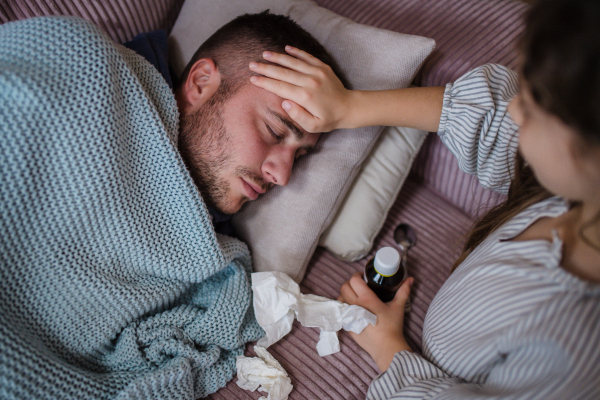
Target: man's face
245	145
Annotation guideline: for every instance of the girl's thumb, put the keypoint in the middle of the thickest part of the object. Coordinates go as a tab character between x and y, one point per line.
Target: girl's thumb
403	293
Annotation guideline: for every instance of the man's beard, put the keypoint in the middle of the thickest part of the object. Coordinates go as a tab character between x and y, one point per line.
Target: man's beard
208	147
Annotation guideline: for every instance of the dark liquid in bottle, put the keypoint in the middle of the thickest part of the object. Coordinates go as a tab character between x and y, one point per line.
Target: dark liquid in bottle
385	287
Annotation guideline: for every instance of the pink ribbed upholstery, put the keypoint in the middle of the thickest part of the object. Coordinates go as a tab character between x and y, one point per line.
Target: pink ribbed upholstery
122	20
468	33
438	168
346	375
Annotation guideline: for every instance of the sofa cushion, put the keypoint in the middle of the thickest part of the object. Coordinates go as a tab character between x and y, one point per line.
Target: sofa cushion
282	227
122	20
365	208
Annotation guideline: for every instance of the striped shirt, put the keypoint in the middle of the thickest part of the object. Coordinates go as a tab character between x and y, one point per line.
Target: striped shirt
509	323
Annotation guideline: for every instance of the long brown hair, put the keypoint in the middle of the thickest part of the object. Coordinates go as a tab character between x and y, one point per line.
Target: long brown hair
561	64
524	191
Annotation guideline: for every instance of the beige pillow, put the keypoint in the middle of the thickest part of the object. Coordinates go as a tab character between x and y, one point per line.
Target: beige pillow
373	193
282	227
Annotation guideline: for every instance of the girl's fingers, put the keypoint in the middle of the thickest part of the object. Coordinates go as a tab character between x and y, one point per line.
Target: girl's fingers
302	117
403	292
281	74
293	95
289	62
280	88
347	293
365	296
309	58
360	286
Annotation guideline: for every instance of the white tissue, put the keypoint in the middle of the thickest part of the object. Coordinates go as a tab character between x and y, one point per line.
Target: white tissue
263	373
277	300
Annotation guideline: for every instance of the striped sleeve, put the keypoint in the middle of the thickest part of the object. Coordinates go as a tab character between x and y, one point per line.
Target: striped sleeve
409	376
476	127
532	372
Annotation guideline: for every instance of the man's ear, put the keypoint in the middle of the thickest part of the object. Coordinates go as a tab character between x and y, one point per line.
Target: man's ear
202	82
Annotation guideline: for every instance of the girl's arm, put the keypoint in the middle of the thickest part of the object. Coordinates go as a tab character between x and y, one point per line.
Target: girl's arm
534	372
470	115
318	101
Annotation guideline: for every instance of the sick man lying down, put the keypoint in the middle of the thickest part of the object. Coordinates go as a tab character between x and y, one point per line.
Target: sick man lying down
113	280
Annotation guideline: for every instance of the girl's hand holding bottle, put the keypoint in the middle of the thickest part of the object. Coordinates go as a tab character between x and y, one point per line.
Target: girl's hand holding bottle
385	339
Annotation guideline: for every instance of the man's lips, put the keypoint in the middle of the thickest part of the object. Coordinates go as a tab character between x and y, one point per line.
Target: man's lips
252	190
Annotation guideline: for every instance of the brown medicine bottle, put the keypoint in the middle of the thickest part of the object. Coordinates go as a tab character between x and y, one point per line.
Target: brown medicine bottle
383	273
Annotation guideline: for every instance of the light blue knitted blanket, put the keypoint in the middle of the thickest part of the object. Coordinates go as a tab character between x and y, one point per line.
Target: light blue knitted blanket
113	283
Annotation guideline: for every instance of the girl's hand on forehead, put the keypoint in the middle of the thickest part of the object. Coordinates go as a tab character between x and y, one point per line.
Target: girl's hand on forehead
315	98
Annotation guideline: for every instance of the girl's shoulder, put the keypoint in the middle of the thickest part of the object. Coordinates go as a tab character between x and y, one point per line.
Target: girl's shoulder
510	268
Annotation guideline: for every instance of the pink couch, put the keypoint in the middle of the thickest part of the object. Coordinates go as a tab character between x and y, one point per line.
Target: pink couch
438	200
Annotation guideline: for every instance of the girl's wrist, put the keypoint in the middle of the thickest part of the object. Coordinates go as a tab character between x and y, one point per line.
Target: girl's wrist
353	113
386	353
365	108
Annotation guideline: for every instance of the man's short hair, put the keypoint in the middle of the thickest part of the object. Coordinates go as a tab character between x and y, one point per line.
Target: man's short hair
245	38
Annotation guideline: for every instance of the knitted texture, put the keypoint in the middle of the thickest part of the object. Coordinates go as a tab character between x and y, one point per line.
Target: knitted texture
113	283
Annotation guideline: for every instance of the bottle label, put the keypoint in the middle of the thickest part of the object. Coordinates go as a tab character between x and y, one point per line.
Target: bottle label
385	276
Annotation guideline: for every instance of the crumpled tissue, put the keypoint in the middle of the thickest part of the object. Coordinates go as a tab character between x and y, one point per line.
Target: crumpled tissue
277	300
263	373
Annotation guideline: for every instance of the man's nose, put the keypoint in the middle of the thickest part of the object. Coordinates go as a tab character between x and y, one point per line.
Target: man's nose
277	168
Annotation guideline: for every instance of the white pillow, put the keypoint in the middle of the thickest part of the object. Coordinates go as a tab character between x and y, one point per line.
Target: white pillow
373	193
282	228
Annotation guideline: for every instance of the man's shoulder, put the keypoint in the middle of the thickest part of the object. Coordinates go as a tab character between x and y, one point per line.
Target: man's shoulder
153	47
